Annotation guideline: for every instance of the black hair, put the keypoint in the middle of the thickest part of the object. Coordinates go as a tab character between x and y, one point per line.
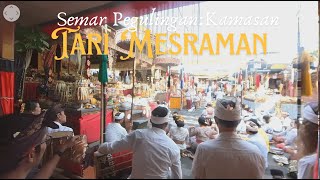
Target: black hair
252	132
180	123
226	102
117	114
227	124
160	126
256	122
160	112
202	121
266	118
30	106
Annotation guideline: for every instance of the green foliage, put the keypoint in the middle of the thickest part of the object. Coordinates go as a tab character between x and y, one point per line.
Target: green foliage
30	39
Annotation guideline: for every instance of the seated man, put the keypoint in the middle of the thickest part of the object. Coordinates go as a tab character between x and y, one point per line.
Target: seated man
20	158
287	138
114	130
276	124
155	155
261	132
256	139
57	115
266	127
286	120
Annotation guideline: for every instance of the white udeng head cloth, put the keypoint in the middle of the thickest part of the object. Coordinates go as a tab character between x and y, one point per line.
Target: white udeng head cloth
227	114
160	120
309	115
120	116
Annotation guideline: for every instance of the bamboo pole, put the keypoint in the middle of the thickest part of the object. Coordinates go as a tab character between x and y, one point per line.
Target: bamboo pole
299	83
134	67
103	101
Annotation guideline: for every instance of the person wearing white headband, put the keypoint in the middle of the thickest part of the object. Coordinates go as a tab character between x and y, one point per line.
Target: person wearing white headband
228	156
114	130
155	155
308	141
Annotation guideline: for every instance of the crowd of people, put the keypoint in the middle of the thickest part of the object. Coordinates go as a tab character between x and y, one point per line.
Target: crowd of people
238	141
241	152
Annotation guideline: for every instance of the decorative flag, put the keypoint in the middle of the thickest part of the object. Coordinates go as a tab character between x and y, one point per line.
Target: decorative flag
103	72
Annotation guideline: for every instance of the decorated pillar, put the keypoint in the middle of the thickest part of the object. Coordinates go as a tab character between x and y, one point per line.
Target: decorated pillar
7	66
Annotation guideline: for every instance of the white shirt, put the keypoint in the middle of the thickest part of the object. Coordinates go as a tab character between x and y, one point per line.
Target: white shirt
276	124
258	140
242	127
267	128
155	155
228	157
287	122
180	134
219	94
188	95
61	128
115	132
305	166
291	136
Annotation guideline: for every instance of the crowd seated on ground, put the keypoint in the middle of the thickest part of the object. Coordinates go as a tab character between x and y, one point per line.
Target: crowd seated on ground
170	141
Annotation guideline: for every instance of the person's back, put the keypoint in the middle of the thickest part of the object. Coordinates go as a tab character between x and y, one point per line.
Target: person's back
114	130
228	156
159	152
258	140
155	155
202	133
179	134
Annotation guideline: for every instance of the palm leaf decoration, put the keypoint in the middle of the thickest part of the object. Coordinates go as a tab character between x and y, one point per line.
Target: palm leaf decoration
27	40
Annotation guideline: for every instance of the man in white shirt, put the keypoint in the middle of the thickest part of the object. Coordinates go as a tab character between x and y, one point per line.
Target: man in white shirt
276	124
57	115
219	94
286	122
256	139
228	156
114	130
155	155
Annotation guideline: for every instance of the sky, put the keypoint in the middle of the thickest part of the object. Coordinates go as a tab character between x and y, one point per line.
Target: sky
281	39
